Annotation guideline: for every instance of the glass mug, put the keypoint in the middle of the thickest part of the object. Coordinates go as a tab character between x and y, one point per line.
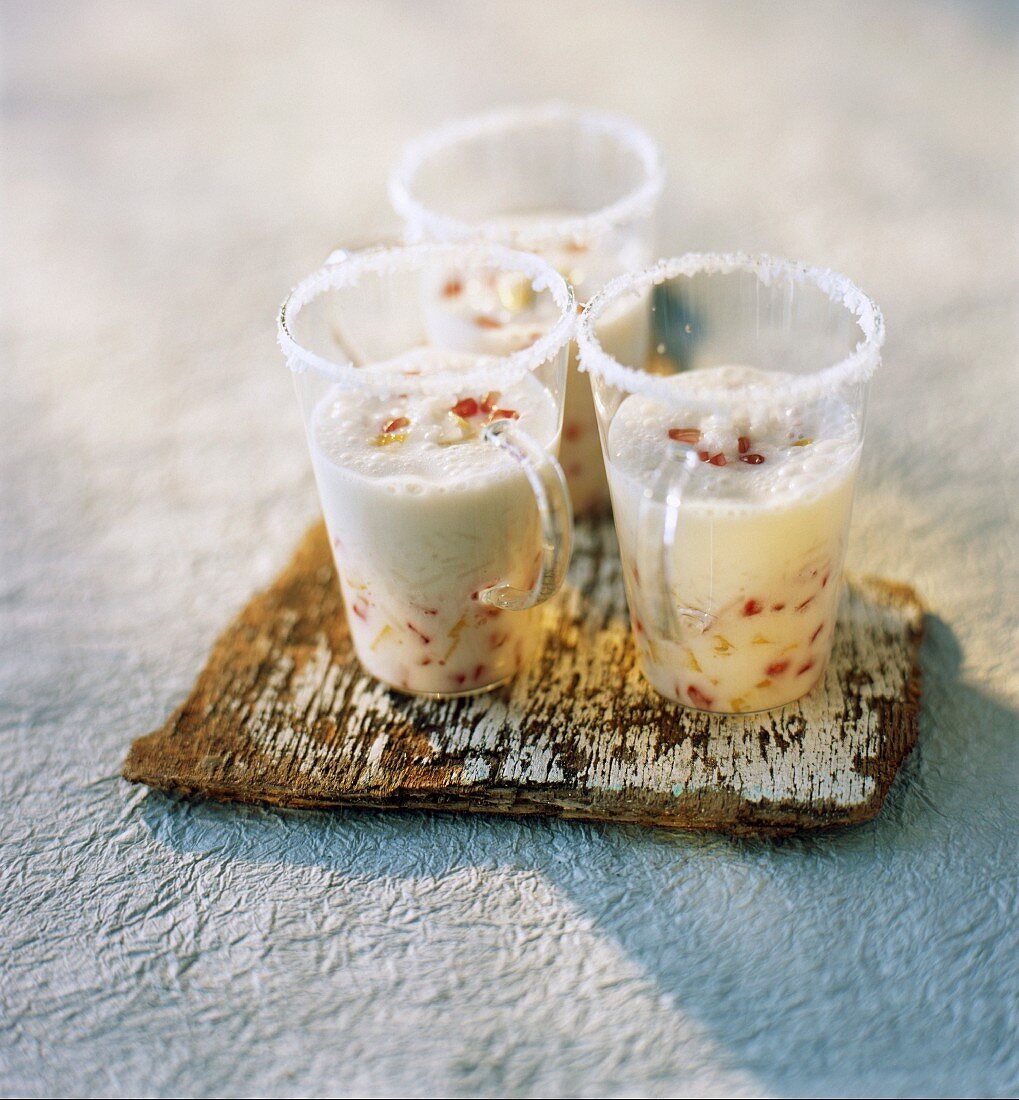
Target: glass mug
447	511
580	189
732	482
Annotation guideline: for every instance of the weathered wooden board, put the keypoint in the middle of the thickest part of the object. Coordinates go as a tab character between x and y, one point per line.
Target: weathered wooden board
282	714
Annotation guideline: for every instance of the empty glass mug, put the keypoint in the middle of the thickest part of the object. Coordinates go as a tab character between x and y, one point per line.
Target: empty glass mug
576	187
732	482
447	512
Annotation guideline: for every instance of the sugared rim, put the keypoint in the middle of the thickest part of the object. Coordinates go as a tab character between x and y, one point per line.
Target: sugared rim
487	371
859	365
636	203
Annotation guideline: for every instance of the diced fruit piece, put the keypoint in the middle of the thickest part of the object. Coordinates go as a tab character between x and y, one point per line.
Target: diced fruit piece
806	668
777	606
483	321
426	640
804	442
488	402
763	684
505	414
685	435
759	639
452	288
704	456
777	668
396	424
752	607
752	460
691	661
466	407
744	444
698	697
719	459
360	608
386	439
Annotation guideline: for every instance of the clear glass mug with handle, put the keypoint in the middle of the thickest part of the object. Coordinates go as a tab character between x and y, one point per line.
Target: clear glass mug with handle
447	511
732	482
577	187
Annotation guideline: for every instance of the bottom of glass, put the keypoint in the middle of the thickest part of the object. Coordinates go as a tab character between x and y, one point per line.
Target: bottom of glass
411	693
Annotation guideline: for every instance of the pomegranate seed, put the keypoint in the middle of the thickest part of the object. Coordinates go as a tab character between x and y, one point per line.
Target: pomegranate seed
488	402
505	414
466	408
698	698
752	460
487	322
776	669
806	668
719	459
452	288
685	435
813	637
395	425
704	456
744	444
752	607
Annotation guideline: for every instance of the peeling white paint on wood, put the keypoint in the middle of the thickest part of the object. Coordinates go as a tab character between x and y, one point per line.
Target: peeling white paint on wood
283	714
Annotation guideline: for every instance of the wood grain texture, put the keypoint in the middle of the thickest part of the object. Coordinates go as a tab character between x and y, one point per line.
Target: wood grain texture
282	714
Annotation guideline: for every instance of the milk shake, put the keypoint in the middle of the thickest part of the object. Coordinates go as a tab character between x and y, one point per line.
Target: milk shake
424	515
734	613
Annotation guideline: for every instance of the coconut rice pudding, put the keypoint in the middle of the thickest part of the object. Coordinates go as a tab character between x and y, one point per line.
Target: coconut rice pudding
738	612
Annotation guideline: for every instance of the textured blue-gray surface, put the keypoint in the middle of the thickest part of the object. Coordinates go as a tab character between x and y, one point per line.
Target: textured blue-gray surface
168	172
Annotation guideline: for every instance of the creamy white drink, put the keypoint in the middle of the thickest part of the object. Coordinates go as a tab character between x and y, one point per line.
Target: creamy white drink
424	515
498	314
736	614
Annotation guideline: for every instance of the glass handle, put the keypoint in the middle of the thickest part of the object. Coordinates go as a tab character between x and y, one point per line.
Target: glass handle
656	541
548	483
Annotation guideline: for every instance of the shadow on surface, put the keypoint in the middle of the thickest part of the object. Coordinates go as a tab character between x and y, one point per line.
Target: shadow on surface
876	957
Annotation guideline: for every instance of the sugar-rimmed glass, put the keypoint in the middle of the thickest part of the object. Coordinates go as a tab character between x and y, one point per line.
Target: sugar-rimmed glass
732	482
578	187
447	511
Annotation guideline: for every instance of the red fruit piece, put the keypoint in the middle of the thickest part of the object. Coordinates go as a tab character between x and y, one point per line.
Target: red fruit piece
505	414
697	697
806	668
776	669
752	607
744	444
360	608
685	435
395	425
488	402
487	322
465	408
752	460
719	459
426	661
452	288
813	637
704	456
